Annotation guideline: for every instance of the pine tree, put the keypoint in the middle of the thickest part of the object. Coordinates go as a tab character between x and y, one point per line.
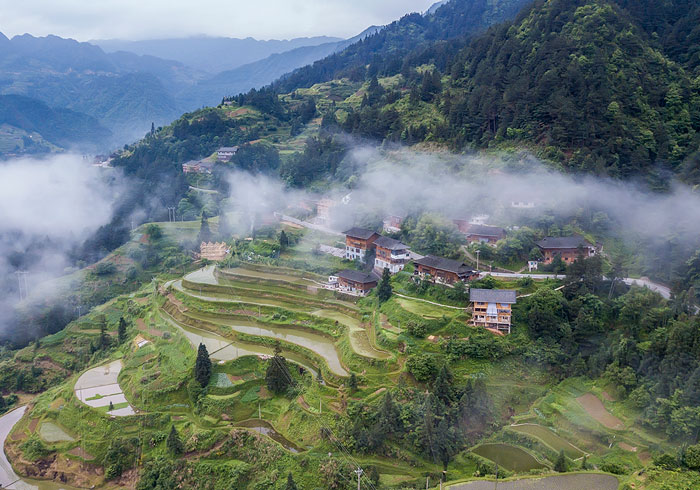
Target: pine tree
277	376
174	443
284	240
442	387
291	485
202	366
224	227
352	382
111	406
389	419
384	291
104	340
204	231
122	330
560	464
584	462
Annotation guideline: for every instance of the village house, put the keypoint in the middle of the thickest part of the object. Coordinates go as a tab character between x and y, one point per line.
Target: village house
392	223
484	234
491	308
390	254
197	167
323	210
225	153
213	251
443	271
569	248
359	241
356	282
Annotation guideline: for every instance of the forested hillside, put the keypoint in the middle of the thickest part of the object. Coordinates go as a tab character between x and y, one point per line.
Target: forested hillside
588	84
60	127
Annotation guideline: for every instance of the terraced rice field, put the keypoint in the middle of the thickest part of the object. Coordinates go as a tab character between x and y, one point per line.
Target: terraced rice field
51	432
223	349
595	408
510	457
580	481
550	438
357	335
98	387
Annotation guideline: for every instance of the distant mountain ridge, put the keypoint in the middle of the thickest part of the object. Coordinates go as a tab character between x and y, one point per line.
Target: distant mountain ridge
212	54
60	127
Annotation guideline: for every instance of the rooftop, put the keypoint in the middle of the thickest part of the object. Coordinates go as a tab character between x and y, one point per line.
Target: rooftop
503	296
444	264
574	241
224	149
361	233
485	230
390	243
357	276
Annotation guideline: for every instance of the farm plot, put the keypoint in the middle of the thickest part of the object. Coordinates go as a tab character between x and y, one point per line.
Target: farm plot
580	481
595	408
98	387
549	438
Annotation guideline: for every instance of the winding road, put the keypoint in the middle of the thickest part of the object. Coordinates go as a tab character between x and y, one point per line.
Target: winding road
664	291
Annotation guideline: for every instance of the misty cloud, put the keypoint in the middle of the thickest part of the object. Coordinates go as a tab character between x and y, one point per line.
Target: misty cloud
47	207
157	19
406	182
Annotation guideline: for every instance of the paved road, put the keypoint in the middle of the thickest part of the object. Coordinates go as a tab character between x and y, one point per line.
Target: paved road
664	291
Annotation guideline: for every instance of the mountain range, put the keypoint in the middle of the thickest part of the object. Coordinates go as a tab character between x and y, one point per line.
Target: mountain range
125	92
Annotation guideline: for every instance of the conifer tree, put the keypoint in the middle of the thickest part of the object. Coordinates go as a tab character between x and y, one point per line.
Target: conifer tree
442	387
122	330
384	291
277	376
204	231
174	443
202	366
111	406
560	464
352	382
284	240
224	227
291	484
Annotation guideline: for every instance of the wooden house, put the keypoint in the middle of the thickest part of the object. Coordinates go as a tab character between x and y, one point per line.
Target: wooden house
569	248
484	233
356	282
359	241
392	223
491	308
443	271
390	254
213	251
225	153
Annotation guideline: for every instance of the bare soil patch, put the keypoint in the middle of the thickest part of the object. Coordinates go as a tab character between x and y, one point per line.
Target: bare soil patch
141	324
303	403
595	408
32	425
627	447
80	453
607	396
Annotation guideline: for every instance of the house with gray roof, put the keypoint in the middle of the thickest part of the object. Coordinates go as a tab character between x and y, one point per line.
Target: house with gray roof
442	271
492	308
358	242
391	254
569	248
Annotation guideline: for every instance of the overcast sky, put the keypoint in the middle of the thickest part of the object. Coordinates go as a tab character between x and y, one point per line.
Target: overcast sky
153	19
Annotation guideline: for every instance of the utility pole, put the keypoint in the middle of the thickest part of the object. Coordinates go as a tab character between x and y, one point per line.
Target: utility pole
79	308
171	214
358	472
427	482
22	284
477	260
